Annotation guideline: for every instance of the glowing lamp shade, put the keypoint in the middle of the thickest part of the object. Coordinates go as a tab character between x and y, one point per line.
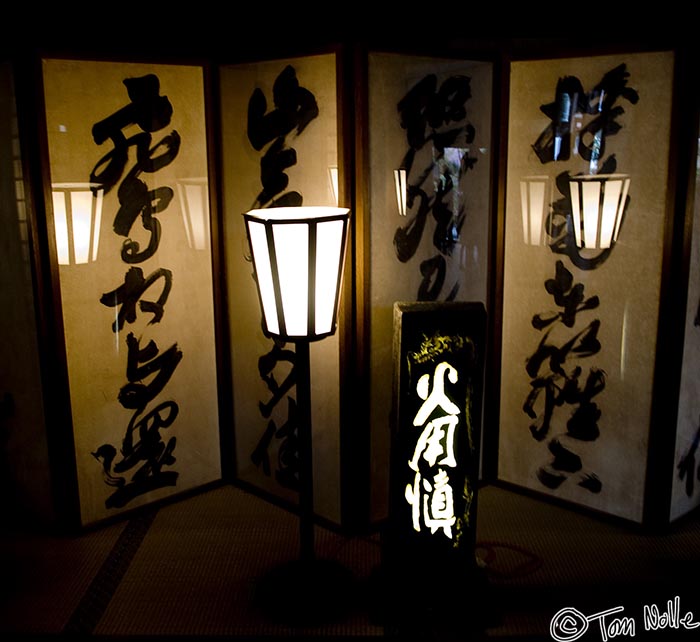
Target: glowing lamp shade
77	214
194	203
534	203
298	255
597	205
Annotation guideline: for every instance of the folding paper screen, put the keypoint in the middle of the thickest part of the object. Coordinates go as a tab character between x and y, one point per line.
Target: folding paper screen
128	142
580	317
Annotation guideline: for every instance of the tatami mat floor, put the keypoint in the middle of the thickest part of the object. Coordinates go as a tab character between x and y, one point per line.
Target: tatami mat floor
190	568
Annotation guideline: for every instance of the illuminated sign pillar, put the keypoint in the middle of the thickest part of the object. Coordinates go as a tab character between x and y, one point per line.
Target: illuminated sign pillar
429	546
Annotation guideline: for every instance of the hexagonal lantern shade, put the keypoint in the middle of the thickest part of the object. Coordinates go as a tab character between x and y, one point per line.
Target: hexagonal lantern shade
298	255
597	204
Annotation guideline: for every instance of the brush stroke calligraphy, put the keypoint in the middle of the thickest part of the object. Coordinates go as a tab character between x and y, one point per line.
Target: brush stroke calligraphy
435	119
147	109
567	135
143	447
554	385
295	107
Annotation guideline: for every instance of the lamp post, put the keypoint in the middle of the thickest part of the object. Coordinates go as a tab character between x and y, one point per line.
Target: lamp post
298	255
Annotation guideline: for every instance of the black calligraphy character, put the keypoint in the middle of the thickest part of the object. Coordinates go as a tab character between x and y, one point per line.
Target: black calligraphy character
567	296
128	294
135	198
266	365
581	426
601	103
135	394
148	448
426	108
407	238
434	271
570	103
591	482
261	456
287	473
584	344
583	423
564	459
147	109
560	387
550	386
550	479
273	178
295	108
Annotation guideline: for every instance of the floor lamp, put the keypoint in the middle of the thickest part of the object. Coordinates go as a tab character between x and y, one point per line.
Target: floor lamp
298	256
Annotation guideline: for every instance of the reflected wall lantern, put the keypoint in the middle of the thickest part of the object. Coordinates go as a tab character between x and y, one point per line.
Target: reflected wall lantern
333	181
194	203
298	255
534	203
77	214
400	178
597	206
